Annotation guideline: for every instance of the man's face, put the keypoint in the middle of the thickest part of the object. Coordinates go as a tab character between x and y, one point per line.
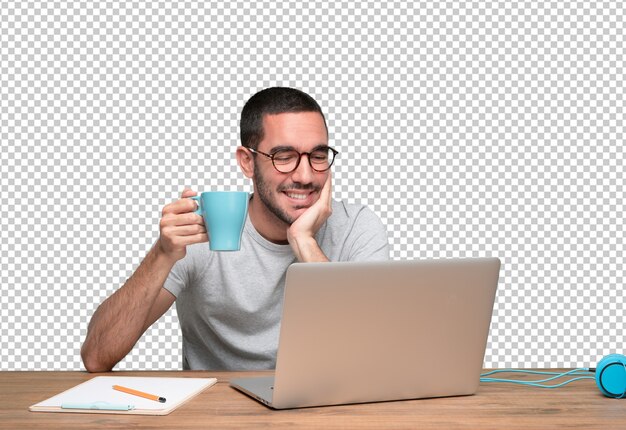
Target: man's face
288	195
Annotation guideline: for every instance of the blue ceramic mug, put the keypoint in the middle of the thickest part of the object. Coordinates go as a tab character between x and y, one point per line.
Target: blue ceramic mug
224	214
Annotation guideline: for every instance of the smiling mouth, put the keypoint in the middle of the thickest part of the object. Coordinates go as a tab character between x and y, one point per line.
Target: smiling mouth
300	199
297	196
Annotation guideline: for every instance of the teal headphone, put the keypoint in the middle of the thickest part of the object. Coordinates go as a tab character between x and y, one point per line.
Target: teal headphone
611	376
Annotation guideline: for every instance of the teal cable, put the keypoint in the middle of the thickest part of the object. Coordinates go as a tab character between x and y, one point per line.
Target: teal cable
533	384
540	382
535	372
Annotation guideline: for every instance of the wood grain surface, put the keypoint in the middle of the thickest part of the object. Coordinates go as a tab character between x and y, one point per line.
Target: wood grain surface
494	406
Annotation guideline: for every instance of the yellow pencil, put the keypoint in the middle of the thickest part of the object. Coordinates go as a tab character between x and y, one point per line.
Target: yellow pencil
139	393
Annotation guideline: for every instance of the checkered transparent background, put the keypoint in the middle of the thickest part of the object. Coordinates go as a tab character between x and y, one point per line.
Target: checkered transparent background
472	128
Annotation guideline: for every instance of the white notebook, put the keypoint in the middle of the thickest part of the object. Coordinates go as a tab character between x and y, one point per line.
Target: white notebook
98	396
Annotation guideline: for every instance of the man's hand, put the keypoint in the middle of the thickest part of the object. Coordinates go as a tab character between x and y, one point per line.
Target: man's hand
180	227
301	234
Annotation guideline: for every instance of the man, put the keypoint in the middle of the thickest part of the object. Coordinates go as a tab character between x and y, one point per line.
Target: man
229	303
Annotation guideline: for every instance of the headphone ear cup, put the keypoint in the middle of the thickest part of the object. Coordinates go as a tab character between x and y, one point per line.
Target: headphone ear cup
611	376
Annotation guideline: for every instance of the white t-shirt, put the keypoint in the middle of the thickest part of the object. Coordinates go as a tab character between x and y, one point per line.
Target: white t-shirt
229	304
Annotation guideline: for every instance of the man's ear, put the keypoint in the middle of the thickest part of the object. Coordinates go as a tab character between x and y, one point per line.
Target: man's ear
245	161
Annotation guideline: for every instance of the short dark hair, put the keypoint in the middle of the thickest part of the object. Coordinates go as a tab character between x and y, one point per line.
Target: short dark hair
272	101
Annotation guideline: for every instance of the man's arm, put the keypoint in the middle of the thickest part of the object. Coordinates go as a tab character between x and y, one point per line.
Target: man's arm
121	319
301	234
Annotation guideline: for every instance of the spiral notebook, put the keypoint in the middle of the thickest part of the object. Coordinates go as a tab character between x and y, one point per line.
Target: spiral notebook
98	396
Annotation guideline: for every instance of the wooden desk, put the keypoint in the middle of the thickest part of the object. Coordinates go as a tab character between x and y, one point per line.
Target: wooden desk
495	406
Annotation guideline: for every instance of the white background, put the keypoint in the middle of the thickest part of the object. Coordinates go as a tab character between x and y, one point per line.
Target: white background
471	128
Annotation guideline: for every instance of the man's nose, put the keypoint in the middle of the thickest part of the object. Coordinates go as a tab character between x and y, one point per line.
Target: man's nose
303	173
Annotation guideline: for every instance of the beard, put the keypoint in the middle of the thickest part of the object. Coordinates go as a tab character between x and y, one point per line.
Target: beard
265	195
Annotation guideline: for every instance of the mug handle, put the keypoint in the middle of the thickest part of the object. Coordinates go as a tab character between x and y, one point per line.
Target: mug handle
197	199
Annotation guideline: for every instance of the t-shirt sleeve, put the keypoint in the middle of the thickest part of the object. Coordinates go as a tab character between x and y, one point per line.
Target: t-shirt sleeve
367	239
178	278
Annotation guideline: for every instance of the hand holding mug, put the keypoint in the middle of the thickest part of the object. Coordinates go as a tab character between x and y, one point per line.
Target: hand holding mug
181	226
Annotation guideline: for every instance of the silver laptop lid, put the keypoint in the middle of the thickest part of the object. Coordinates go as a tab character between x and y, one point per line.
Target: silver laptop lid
363	332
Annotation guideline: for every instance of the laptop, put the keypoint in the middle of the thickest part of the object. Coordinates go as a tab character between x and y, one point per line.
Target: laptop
360	332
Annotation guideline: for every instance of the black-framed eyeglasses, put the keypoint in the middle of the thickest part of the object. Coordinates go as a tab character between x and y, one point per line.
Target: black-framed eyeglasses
288	160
